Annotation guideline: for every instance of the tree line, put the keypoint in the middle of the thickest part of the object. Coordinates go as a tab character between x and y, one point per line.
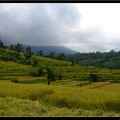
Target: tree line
14	54
17	49
109	60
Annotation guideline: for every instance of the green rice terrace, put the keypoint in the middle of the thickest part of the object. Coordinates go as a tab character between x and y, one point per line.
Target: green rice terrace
72	94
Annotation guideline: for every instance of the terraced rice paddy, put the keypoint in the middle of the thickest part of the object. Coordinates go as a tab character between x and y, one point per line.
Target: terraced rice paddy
71	96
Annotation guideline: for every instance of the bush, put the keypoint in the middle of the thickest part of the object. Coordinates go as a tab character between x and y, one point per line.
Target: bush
27	62
60	77
50	75
36	72
35	63
15	81
93	77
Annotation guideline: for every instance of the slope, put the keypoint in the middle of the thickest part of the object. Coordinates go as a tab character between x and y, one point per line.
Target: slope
47	49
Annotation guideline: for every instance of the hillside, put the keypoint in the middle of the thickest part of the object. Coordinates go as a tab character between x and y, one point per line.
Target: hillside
110	60
71	96
47	49
74	95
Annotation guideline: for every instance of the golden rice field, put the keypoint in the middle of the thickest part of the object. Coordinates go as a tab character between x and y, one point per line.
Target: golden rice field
67	97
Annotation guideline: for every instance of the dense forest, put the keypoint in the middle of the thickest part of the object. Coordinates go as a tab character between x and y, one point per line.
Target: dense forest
109	60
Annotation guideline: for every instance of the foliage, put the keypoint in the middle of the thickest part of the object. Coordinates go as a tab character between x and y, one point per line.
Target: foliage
36	71
50	75
51	55
61	56
95	99
1	44
72	61
60	77
34	61
74	95
18	47
109	60
28	54
93	77
40	53
15	81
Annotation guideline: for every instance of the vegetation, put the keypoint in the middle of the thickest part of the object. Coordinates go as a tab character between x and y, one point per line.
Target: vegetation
93	77
36	72
110	60
51	87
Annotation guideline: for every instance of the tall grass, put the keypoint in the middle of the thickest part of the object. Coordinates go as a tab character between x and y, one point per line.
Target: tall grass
63	96
69	96
11	106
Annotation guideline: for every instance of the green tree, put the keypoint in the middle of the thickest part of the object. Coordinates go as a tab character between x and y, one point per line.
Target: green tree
93	77
28	54
72	61
40	53
61	56
36	72
50	75
35	61
60	77
52	55
1	44
16	56
11	47
18	47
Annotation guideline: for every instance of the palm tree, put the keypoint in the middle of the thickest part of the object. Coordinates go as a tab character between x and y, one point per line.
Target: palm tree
19	48
52	55
61	56
11	47
40	53
1	44
28	54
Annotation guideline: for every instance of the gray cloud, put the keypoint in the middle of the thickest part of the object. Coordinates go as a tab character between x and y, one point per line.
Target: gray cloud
51	24
38	24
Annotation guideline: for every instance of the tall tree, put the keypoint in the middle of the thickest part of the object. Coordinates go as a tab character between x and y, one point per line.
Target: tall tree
61	56
19	48
1	43
28	54
11	47
52	55
40	53
50	75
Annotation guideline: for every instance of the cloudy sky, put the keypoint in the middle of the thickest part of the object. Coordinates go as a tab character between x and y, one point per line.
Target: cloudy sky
84	27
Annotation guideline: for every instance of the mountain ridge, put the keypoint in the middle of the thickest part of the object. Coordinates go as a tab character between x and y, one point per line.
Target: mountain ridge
47	49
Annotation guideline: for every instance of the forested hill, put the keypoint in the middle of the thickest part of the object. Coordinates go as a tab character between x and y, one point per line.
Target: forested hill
109	60
47	49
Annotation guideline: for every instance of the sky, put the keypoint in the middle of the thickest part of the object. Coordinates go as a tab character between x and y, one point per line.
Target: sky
83	27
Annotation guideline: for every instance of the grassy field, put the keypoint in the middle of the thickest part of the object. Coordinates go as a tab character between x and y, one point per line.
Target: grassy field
74	95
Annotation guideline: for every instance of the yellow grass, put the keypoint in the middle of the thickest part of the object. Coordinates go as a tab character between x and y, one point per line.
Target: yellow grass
63	96
67	95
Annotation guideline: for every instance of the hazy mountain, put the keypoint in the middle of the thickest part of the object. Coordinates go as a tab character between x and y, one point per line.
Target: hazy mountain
47	49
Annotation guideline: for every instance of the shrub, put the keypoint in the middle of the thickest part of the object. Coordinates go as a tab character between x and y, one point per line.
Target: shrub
50	75
27	62
93	77
35	62
60	77
36	72
15	81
